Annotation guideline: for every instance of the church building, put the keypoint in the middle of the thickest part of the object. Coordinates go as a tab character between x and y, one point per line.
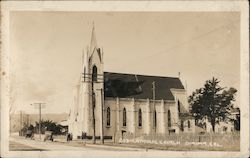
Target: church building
108	104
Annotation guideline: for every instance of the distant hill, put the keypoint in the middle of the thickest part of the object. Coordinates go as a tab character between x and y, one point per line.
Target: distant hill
15	119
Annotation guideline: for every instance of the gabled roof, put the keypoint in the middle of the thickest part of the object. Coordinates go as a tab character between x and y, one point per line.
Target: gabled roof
139	86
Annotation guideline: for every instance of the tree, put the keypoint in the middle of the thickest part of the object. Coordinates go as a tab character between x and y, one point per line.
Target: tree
211	102
31	127
49	126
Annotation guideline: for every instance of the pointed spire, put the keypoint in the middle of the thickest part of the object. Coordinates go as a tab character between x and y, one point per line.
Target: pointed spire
93	42
83	57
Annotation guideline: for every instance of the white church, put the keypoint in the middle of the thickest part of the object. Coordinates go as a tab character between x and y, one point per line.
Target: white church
110	104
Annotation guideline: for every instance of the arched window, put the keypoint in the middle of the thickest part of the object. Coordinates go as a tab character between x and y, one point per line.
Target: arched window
179	106
108	116
94	74
139	118
169	118
182	125
155	119
124	117
93	99
189	124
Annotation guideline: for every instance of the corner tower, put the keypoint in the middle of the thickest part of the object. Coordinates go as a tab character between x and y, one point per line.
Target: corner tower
92	87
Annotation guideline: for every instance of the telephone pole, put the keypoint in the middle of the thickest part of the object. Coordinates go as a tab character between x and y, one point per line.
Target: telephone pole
102	110
154	113
40	106
21	122
93	115
28	119
40	118
94	78
102	116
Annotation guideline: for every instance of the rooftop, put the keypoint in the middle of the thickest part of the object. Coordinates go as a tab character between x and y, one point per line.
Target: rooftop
140	86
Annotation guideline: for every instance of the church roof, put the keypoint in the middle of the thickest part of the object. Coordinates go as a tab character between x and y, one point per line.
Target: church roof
139	86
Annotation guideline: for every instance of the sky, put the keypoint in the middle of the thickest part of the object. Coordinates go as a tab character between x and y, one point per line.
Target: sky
46	50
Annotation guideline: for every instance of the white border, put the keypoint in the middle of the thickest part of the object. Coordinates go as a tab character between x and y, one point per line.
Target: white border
213	6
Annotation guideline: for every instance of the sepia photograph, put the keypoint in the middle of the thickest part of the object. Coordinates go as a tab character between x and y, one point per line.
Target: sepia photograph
146	82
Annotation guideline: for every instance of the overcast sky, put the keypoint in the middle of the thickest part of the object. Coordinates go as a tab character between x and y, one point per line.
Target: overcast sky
46	50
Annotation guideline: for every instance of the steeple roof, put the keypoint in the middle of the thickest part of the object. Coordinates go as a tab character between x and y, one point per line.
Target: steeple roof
93	42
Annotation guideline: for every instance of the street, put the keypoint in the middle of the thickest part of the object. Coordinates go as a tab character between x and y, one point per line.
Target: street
22	144
15	146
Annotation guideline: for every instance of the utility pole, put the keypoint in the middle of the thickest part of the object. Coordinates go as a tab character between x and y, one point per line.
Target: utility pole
93	114
40	106
21	122
154	113
102	110
40	117
28	120
10	123
94	79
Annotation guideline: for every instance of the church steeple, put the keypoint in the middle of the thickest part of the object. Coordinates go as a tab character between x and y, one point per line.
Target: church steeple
93	42
93	45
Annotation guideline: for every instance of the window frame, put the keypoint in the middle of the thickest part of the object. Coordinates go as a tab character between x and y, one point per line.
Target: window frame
169	119
155	119
94	73
108	117
124	117
139	118
179	106
189	124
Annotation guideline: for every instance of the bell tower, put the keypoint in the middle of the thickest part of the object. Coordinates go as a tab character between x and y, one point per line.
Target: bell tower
92	87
